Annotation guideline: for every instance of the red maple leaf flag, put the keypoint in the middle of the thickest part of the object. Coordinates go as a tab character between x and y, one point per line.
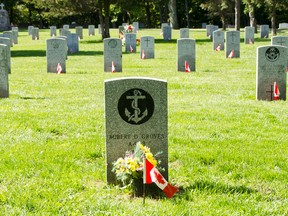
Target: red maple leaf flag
131	49
113	67
151	174
251	41
232	54
187	67
218	48
276	92
59	68
143	54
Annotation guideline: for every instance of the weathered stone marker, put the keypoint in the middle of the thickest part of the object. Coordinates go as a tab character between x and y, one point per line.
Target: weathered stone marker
186	54
112	55
7	42
56	52
135	110
271	68
4	83
147	47
232	44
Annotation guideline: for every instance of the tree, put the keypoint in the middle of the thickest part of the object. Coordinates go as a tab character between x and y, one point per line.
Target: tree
237	14
173	14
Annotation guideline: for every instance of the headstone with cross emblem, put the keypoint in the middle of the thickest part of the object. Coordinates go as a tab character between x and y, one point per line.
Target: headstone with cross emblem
249	35
4	82
271	68
264	31
232	43
112	55
218	39
147	47
186	54
135	110
4	19
56	52
130	42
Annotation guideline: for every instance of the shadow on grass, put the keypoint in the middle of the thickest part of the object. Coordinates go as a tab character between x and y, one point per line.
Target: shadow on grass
28	53
216	188
87	53
91	42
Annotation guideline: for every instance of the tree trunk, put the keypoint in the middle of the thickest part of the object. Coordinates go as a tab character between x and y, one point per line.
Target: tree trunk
160	11
252	17
273	21
104	20
237	15
187	13
148	14
223	20
173	14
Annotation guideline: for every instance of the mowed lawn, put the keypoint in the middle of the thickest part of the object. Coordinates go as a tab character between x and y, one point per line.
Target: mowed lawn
228	152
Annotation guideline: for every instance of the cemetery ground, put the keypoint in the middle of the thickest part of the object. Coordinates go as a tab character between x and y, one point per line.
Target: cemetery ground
227	151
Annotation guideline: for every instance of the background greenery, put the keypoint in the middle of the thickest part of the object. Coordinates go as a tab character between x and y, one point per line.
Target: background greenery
227	151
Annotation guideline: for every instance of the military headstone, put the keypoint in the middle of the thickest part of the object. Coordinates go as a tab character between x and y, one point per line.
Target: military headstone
147	47
135	110
7	42
35	34
79	31
283	25
64	32
167	33
121	30
91	30
4	82
8	34
184	32
130	42
56	52
66	27
30	28
73	43
136	27
281	41
15	28
208	30
232	43
112	55
212	29
4	19
53	31
264	31
99	29
271	69
218	40
249	35
186	55
66	39
14	37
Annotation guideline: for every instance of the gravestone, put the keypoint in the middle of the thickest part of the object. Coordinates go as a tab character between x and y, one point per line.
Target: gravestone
271	67
283	25
135	110
281	41
66	27
56	52
8	34
73	43
4	82
249	35
99	29
130	42
208	30
15	28
91	30
147	47
212	29
232	43
136	27
53	31
66	39
218	39
64	32
14	37
184	33
167	33
7	42
186	54
164	24
30	29
121	30
4	19
79	31
203	25
112	55
264	31
35	34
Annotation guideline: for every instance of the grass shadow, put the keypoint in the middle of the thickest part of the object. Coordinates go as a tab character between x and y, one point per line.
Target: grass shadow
91	42
28	53
166	41
87	53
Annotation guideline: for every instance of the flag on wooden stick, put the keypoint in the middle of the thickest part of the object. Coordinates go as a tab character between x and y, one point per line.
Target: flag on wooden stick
187	67
218	48
232	54
143	55
113	67
276	92
59	68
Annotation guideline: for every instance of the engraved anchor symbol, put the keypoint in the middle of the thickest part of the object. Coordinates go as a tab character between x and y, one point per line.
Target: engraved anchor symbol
137	112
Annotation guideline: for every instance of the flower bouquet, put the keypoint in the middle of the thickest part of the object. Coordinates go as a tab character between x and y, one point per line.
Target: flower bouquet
129	170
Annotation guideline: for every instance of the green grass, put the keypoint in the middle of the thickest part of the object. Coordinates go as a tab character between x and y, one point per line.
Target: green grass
227	151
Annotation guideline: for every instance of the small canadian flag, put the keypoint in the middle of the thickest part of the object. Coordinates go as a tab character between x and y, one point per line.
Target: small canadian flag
143	55
232	54
151	174
218	48
59	68
131	49
276	92
187	67
113	67
251	41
